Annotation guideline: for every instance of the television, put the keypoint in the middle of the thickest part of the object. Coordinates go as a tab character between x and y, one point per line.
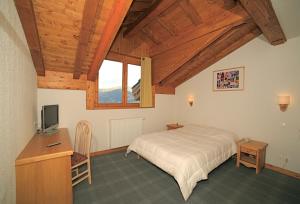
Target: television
49	116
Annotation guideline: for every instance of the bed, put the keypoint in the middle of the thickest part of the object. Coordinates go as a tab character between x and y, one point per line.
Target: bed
188	153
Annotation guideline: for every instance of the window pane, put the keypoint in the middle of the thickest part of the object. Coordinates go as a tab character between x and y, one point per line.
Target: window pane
110	82
133	83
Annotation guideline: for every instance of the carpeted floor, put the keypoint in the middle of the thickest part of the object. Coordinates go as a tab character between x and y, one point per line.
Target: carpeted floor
117	179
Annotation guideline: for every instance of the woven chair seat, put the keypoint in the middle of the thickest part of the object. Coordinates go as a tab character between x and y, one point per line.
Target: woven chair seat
77	158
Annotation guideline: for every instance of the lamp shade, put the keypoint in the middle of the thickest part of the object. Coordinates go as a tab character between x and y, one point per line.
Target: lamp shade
283	100
191	100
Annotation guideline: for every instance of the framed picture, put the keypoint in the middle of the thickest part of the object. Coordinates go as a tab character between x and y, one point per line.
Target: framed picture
229	79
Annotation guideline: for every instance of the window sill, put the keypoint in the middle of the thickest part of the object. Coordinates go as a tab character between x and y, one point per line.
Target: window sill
117	106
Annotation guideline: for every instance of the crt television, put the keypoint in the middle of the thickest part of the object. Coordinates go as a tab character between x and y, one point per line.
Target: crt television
49	116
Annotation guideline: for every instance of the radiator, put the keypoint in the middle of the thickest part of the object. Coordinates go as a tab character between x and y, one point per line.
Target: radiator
124	130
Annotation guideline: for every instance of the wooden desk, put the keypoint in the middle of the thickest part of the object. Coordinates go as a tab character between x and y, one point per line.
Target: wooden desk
43	174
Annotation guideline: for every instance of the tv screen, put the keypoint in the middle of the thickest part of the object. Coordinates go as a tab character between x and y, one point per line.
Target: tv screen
49	117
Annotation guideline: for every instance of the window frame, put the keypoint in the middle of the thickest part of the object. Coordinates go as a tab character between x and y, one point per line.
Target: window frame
125	60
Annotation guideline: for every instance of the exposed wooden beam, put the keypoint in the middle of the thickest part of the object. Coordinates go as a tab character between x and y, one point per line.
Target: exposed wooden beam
190	11
143	15
117	15
164	90
192	34
228	4
91	7
151	15
231	41
169	61
264	16
27	18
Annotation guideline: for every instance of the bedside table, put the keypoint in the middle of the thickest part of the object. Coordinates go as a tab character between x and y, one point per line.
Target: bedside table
252	154
173	126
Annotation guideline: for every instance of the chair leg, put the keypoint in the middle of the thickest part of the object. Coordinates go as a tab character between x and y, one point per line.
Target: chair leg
89	171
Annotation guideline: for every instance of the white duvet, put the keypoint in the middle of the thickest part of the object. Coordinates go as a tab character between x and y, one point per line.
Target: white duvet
187	153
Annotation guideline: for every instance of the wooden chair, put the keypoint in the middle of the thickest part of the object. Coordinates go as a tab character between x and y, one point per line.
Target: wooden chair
81	155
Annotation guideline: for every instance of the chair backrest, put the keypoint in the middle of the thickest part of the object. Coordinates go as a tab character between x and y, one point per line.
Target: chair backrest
83	137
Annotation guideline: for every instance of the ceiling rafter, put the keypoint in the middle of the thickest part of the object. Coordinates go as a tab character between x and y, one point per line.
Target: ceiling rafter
28	21
91	7
195	33
169	61
226	44
264	16
141	15
117	15
151	15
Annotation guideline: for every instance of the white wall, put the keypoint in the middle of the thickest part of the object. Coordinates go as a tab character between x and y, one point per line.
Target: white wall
254	112
17	97
72	108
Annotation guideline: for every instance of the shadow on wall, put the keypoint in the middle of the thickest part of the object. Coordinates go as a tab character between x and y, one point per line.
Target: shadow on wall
7	28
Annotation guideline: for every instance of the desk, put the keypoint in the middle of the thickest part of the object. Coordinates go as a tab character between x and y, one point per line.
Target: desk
43	174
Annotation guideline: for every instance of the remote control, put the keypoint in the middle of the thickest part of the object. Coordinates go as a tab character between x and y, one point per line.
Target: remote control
53	144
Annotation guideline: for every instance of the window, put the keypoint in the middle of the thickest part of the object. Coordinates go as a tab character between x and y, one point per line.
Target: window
133	83
119	84
110	82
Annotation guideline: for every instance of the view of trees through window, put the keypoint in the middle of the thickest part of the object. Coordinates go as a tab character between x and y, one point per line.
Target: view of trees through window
110	78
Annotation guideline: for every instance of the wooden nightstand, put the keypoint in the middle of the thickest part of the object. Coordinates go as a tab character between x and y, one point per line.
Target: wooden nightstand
252	154
173	126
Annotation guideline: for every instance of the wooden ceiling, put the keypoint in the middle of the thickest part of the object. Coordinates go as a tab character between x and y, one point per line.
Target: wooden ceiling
183	37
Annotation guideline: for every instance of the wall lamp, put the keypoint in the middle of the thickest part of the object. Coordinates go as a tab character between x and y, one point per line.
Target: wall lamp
191	100
283	102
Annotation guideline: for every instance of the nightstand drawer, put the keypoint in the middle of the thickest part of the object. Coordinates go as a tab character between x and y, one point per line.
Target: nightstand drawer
249	151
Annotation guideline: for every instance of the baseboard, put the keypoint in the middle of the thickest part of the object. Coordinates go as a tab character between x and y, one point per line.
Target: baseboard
108	151
283	171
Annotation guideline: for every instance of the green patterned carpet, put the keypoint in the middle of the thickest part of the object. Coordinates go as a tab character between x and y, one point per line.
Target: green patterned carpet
117	179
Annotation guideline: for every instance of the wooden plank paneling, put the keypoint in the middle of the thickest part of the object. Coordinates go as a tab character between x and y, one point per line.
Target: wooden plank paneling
231	41
264	16
59	24
88	20
27	17
150	17
138	11
190	11
112	26
132	47
167	62
61	80
234	16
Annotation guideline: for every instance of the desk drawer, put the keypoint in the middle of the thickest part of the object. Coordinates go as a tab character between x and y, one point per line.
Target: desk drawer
249	151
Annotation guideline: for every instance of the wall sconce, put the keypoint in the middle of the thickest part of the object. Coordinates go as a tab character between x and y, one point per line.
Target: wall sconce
283	102
191	100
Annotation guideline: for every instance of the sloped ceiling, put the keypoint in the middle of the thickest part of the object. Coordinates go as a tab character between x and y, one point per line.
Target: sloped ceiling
182	37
